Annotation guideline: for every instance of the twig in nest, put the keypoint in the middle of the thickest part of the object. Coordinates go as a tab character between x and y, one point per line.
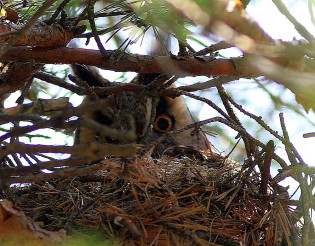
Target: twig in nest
290	149
265	168
70	221
293	156
258	119
250	147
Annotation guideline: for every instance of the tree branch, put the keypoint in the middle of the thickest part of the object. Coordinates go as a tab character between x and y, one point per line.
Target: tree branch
19	35
125	62
92	150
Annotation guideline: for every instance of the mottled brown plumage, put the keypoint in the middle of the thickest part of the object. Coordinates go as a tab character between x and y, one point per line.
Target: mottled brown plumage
125	111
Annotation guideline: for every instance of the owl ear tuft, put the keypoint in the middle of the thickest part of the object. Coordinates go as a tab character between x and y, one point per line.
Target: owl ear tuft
88	74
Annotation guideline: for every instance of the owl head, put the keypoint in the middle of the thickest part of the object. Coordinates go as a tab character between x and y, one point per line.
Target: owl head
150	116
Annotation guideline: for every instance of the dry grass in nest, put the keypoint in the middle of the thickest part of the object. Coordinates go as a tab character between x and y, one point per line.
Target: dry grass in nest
169	201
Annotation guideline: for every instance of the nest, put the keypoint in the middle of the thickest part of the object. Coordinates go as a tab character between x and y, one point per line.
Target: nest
203	200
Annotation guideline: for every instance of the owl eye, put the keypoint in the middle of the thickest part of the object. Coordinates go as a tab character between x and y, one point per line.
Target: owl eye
163	123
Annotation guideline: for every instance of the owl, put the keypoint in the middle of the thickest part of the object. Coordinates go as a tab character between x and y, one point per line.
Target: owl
128	110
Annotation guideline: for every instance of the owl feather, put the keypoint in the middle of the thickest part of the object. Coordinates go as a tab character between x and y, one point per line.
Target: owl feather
124	111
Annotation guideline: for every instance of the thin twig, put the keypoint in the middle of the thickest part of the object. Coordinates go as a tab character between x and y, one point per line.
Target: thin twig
25	91
5	118
61	173
289	145
83	84
302	179
61	6
309	135
26	170
26	27
27	159
59	121
251	149
177	92
41	155
4	34
94	30
258	119
265	168
209	84
298	26
215	47
59	82
201	123
119	87
17	160
286	141
94	150
71	220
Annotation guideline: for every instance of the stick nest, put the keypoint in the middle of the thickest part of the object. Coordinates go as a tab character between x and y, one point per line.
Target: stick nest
196	200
